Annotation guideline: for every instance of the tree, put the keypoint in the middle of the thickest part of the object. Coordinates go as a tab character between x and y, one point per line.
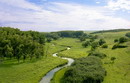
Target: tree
113	59
104	46
16	44
85	44
127	34
101	42
82	39
49	40
85	70
94	45
97	54
116	40
123	39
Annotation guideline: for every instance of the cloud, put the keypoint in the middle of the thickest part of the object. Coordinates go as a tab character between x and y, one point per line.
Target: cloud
119	4
57	16
98	2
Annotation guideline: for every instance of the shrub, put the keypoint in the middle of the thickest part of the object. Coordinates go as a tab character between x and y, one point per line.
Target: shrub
123	39
49	40
95	44
85	70
127	34
85	44
98	54
118	46
82	39
104	46
116	40
113	59
101	42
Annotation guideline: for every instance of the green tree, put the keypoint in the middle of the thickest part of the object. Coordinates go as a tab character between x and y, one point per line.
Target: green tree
123	39
127	34
85	44
101	42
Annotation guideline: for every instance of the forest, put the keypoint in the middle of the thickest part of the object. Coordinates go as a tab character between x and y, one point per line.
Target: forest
16	44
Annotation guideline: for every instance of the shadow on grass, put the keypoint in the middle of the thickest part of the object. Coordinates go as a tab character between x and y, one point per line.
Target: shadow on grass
14	62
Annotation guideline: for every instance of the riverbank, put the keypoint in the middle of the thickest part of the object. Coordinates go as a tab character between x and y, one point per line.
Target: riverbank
47	78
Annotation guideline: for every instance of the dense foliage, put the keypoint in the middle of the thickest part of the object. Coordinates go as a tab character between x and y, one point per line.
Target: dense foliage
127	34
102	41
104	46
119	46
20	44
71	34
97	54
123	39
114	30
86	43
85	70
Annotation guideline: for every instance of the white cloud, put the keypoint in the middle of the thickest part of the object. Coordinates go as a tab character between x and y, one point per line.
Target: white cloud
58	16
98	2
119	4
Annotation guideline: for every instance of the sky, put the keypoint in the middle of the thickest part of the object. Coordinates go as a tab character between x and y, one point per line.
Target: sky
57	15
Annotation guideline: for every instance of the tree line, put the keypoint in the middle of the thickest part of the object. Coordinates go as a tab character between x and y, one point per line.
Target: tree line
61	34
16	44
114	30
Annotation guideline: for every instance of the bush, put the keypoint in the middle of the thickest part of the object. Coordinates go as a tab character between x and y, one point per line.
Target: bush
127	34
82	39
123	39
116	40
85	70
118	46
101	42
85	44
95	44
98	54
104	46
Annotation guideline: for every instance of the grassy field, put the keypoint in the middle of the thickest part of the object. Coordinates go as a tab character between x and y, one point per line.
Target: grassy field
76	51
117	72
30	71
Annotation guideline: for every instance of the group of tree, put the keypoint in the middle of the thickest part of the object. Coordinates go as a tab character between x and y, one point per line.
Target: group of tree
119	42
62	34
16	44
114	30
85	70
94	44
97	54
127	34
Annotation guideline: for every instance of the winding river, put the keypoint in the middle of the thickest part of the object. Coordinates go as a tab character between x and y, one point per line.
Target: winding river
47	78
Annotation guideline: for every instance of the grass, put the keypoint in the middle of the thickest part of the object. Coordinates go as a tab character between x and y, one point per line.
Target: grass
76	51
58	76
30	71
117	72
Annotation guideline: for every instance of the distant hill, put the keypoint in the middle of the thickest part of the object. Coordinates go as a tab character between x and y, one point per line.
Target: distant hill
114	30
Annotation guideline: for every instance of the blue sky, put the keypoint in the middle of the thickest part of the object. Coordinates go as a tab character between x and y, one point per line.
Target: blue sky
56	15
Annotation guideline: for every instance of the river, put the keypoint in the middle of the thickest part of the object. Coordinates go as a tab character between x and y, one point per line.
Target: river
47	78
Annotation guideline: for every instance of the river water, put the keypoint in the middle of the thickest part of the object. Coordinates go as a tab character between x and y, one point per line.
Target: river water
47	78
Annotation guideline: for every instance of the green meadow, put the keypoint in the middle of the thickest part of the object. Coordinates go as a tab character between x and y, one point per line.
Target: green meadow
32	71
117	72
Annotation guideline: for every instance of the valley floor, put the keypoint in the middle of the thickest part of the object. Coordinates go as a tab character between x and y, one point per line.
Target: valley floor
32	72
